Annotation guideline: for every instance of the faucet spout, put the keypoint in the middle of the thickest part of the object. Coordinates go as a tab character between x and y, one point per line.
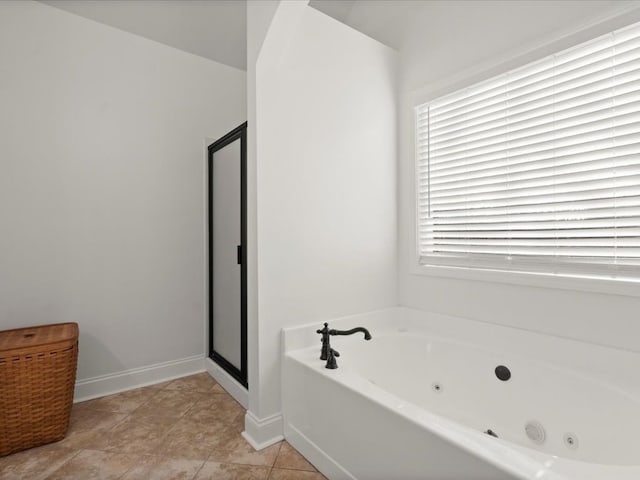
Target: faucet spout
367	335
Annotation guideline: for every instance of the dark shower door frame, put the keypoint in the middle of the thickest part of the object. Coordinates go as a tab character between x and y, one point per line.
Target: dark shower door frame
238	133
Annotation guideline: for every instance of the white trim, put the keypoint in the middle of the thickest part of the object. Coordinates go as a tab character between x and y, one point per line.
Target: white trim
323	462
109	384
227	382
262	432
533	279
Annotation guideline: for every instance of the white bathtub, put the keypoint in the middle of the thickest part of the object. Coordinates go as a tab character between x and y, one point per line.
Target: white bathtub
415	401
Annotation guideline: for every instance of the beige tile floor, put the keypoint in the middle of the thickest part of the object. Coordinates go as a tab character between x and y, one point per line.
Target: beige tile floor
186	429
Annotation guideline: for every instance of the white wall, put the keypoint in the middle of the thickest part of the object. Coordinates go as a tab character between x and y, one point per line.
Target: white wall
452	44
326	218
259	16
102	185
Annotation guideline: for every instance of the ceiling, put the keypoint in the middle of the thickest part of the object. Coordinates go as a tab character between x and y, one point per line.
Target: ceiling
213	29
416	24
216	29
383	20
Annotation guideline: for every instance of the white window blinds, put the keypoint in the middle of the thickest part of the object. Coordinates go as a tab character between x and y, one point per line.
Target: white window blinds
538	165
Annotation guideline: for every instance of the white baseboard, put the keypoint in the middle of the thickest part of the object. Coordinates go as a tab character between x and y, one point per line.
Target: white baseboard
95	387
323	462
262	432
227	382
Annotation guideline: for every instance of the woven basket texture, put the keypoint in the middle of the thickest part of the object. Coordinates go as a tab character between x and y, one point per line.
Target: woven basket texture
37	379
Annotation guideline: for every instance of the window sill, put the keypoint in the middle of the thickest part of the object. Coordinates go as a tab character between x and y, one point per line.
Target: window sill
577	282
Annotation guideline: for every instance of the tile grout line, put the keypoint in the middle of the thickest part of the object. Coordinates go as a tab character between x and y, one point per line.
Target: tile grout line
195	475
275	460
129	469
77	452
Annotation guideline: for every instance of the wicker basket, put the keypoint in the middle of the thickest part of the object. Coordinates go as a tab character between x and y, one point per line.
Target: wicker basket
37	377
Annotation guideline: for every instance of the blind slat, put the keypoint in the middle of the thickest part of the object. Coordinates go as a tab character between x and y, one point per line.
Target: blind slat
540	226
564	216
615	114
520	180
443	236
577	151
544	195
601	130
626	148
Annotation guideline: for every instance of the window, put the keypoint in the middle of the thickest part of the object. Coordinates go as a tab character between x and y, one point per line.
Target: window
537	169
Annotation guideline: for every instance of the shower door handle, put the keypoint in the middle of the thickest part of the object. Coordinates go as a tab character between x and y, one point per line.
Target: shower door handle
239	254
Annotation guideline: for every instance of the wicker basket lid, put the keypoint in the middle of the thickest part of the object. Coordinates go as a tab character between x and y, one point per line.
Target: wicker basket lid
29	337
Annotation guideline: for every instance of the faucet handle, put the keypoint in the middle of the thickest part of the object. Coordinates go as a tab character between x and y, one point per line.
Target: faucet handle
324	330
331	359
